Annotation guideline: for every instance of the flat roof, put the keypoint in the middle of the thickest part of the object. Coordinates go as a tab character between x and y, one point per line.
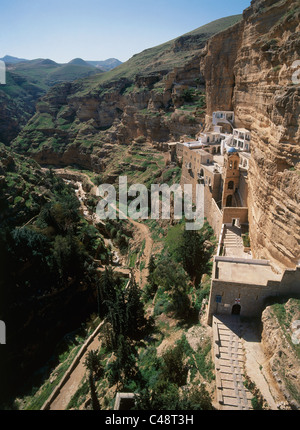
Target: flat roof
191	144
246	272
202	152
212	167
243	130
219	159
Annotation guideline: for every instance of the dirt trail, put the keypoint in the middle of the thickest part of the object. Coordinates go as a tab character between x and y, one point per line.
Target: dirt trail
141	232
141	275
61	402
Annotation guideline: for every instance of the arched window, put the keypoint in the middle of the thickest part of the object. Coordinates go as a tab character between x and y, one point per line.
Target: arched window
230	185
235	165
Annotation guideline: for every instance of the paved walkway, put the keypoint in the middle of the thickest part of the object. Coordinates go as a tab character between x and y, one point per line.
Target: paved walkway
229	364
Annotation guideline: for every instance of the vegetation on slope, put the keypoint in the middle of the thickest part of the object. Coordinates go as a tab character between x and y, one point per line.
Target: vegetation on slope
156	357
26	82
47	270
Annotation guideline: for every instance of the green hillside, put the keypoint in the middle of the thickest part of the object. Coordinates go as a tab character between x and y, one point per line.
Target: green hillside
26	82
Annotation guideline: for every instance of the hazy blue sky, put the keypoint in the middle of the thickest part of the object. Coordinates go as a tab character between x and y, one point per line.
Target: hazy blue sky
98	29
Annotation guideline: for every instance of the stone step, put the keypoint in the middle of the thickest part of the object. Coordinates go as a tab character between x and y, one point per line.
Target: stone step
233	401
229	365
235	356
241	394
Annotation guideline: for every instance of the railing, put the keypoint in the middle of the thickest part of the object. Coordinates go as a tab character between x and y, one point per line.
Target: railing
221	240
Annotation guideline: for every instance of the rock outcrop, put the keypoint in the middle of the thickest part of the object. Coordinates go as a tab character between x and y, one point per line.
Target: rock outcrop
280	350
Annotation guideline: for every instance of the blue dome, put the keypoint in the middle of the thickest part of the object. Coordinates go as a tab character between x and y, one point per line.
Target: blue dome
231	150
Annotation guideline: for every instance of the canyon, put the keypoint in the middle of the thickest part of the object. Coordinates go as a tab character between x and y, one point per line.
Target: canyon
247	67
244	64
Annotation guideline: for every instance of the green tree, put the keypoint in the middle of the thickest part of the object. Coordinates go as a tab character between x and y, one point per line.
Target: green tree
135	312
92	363
151	286
163	396
196	398
124	367
174	369
106	290
195	252
171	277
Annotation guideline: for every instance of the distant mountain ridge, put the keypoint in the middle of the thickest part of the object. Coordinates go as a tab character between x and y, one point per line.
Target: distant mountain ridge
104	65
109	64
27	83
28	80
12	60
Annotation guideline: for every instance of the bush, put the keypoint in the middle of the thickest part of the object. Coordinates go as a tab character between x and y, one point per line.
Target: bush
174	369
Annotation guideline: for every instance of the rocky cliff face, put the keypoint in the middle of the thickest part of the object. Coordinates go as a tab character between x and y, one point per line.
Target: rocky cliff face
277	335
71	128
249	68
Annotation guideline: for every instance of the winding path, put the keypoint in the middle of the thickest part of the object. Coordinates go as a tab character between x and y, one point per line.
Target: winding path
141	233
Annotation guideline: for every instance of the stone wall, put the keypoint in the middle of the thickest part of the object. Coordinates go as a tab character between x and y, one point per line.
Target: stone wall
215	217
243	189
232	213
251	296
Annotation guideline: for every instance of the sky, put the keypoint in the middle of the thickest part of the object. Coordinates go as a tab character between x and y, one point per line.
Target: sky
96	29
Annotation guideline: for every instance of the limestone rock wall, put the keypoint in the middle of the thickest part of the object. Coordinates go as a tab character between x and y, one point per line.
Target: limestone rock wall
248	68
283	361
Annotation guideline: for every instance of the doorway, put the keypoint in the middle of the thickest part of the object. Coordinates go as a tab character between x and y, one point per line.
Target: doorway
235	222
236	309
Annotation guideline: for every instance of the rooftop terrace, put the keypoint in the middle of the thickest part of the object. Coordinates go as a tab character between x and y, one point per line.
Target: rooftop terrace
257	272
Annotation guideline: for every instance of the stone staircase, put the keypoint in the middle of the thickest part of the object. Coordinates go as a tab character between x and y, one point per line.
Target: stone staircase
233	239
229	364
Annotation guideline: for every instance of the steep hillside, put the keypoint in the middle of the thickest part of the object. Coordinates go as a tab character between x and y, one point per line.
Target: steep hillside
26	82
249	68
156	95
47	273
